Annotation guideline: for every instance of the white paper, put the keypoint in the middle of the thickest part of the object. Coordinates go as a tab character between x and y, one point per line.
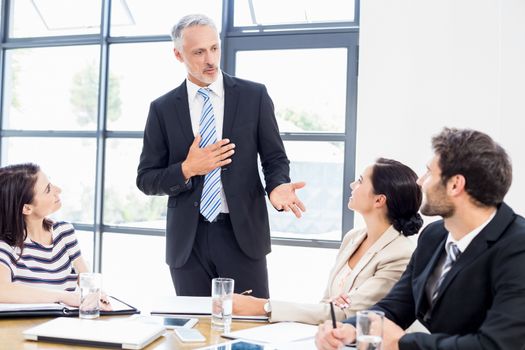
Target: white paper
24	307
197	306
282	332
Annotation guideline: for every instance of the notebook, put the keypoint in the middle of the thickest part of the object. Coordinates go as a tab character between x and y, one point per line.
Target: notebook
124	334
57	309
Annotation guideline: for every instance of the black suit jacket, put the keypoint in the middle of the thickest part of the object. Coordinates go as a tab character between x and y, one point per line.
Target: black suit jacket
481	304
249	122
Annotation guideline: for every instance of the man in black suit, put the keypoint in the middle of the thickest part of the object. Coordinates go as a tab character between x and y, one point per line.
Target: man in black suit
466	279
201	143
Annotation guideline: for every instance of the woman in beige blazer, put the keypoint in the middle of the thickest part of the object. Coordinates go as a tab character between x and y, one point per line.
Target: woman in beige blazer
371	259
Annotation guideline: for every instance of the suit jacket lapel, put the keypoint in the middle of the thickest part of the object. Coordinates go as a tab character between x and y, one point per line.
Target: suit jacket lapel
388	236
182	111
420	287
230	104
479	244
349	250
342	259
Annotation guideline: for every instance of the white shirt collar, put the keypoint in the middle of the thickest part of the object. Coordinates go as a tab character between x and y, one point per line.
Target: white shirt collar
464	242
217	87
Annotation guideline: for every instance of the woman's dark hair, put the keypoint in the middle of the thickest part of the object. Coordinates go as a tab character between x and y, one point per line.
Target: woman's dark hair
403	195
17	183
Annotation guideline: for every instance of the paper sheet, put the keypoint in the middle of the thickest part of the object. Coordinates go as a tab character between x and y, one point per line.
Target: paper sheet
282	332
193	306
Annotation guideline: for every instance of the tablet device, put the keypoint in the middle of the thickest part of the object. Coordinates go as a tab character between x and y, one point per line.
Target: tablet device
240	345
176	322
170	322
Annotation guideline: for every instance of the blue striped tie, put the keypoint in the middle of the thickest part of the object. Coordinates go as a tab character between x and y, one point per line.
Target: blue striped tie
453	253
211	193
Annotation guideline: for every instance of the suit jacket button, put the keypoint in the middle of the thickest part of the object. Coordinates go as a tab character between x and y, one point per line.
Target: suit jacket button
195	204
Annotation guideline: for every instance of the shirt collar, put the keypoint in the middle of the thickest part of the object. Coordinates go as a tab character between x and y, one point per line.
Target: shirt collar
464	242
217	87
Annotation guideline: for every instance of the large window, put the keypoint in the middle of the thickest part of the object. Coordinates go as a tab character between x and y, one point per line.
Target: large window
77	77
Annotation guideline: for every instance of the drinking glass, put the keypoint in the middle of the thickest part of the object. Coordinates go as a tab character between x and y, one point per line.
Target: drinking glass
222	302
90	289
369	329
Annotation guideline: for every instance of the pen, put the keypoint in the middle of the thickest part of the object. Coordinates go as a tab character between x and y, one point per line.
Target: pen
332	313
246	292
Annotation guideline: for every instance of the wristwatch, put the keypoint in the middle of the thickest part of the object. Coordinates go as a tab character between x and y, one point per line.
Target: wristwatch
268	308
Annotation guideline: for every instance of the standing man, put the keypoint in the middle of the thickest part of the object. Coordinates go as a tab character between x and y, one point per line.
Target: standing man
201	144
465	281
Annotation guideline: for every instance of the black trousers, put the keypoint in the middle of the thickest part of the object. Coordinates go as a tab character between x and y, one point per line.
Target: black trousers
216	253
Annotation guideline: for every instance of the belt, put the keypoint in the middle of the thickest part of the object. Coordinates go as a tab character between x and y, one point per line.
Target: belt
218	218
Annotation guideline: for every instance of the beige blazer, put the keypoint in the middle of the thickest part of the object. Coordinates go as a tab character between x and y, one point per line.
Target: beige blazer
370	280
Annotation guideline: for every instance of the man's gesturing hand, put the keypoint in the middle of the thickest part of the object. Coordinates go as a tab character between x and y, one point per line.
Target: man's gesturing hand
283	197
201	161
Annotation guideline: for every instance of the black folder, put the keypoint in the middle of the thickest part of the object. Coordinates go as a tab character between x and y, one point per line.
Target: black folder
57	309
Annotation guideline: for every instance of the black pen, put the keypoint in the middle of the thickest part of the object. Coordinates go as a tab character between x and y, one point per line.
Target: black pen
332	313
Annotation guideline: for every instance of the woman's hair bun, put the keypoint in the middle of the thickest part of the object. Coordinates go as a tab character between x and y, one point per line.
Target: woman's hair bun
408	226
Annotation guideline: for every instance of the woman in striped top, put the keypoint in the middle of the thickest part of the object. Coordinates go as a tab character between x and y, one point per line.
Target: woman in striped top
39	259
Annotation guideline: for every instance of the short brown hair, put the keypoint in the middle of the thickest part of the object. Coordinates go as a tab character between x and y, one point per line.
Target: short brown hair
483	163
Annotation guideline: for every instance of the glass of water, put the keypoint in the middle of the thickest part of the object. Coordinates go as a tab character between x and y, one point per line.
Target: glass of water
369	329
222	302
90	292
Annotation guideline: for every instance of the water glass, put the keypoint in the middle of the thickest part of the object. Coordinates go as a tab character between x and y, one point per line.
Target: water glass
369	329
222	302
90	290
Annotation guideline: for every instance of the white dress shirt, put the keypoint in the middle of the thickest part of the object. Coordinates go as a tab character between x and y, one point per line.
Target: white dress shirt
196	101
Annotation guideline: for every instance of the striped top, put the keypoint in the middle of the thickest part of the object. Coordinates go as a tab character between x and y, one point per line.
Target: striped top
48	266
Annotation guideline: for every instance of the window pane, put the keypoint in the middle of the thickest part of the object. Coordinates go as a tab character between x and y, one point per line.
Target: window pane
52	88
320	165
306	99
35	18
157	17
310	268
69	163
85	239
124	204
134	267
263	12
131	90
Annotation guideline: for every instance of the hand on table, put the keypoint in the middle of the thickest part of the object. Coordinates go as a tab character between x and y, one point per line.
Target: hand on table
328	338
105	304
245	305
391	335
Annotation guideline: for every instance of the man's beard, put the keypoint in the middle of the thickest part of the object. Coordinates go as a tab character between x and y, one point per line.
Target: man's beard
437	204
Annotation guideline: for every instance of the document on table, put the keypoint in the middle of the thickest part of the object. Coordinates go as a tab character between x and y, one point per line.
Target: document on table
308	344
196	306
282	332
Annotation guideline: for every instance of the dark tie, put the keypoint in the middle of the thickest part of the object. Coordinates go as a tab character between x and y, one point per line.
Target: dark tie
211	193
453	253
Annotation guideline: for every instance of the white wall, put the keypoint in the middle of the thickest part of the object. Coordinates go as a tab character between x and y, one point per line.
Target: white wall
429	64
424	65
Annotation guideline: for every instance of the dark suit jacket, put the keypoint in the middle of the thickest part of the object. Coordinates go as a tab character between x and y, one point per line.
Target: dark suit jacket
249	122
481	304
